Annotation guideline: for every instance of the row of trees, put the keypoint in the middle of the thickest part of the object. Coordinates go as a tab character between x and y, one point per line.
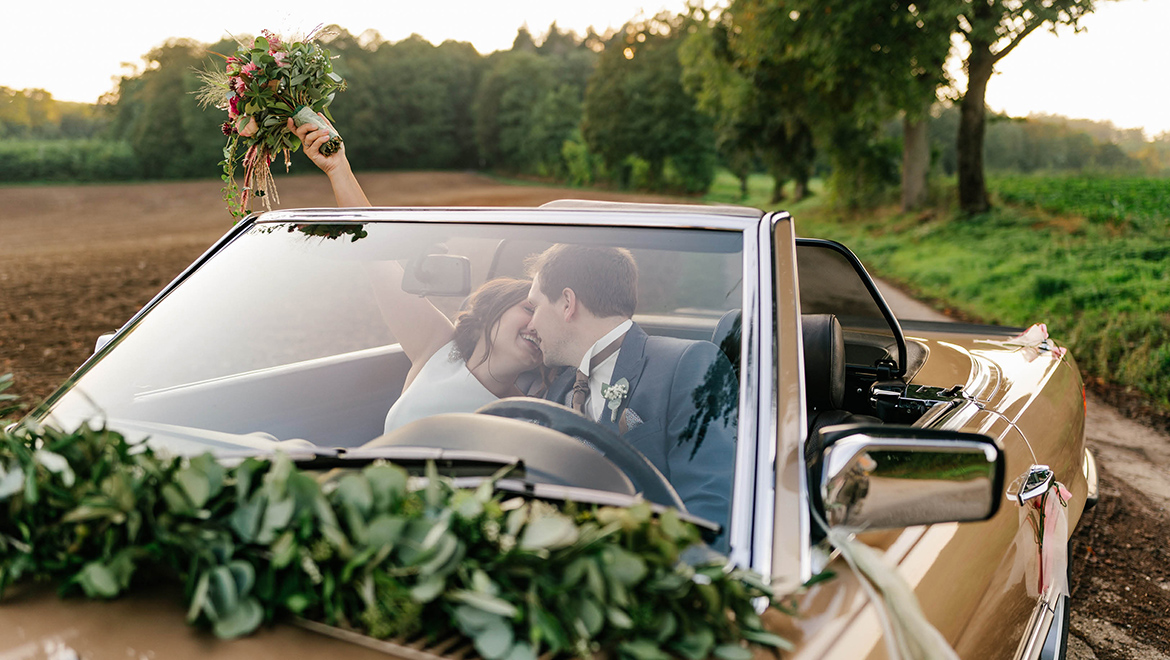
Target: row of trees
793	87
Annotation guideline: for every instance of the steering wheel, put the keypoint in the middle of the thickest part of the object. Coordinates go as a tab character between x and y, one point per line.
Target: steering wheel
642	473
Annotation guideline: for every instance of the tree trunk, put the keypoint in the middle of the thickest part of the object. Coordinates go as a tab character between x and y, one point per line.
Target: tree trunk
915	161
972	122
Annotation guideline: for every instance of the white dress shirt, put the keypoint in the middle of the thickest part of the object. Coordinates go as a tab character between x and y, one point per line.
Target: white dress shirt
603	372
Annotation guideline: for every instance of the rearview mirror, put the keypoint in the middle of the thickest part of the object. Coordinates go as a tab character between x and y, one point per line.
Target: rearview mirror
438	275
881	477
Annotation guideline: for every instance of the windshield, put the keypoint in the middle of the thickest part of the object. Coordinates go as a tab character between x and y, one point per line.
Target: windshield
307	334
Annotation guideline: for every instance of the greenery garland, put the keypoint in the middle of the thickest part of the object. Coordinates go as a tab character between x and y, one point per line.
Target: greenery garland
365	551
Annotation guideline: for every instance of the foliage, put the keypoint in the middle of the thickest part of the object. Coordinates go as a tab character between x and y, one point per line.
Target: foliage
636	106
364	551
9	403
835	71
992	29
1100	284
67	160
261	87
30	114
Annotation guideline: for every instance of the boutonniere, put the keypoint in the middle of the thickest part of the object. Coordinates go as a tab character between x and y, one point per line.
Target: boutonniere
615	394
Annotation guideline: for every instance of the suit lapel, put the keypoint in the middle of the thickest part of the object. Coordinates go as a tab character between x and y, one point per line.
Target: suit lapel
630	361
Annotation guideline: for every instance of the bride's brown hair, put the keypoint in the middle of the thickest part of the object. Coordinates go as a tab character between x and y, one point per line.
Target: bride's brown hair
484	309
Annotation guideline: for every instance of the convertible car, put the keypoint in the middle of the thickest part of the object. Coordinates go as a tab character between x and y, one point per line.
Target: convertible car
929	442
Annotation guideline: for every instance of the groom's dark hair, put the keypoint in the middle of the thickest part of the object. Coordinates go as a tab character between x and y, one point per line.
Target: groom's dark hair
605	279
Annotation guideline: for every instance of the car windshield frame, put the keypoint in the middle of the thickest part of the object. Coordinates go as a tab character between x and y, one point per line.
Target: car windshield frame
750	524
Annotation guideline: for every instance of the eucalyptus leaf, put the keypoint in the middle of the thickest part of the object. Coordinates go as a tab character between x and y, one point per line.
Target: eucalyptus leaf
385	530
222	596
472	619
98	581
195	485
428	589
548	532
732	652
494	641
245	618
619	619
767	639
626	567
696	644
591	615
642	649
485	602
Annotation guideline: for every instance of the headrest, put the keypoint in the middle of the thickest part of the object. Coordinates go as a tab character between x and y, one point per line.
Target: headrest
824	361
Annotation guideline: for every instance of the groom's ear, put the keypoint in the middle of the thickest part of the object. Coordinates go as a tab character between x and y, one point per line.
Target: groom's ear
568	304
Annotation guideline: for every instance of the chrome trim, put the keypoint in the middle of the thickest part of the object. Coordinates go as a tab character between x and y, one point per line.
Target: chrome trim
745	519
785	468
709	218
958	417
1041	621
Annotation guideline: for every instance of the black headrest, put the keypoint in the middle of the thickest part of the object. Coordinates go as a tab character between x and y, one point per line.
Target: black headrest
824	361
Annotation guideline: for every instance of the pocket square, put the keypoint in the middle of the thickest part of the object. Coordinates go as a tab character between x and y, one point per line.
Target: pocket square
630	421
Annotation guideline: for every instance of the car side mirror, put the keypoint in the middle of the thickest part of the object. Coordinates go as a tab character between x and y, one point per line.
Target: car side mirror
881	477
438	275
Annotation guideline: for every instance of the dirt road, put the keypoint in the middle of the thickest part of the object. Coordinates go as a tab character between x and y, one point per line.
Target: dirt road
78	261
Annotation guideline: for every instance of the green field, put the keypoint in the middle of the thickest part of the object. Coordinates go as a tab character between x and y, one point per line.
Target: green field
1101	283
1143	203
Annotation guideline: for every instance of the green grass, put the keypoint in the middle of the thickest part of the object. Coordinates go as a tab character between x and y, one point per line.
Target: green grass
1103	288
1138	201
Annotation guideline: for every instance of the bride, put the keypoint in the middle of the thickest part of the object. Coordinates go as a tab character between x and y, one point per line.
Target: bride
455	367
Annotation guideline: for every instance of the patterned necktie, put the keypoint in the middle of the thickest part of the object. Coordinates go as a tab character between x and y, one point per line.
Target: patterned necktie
580	391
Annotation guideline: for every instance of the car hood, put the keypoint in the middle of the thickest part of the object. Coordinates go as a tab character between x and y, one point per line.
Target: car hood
146	624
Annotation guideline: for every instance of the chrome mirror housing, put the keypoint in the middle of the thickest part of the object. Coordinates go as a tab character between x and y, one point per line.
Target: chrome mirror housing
881	477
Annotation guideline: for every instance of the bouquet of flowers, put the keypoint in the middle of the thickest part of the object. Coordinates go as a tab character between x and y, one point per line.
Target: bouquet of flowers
260	87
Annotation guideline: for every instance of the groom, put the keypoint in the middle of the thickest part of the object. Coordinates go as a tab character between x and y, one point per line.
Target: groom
641	387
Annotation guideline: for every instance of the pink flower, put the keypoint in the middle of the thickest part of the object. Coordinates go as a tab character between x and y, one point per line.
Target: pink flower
274	42
228	128
234	106
247	126
249	69
238	84
279	57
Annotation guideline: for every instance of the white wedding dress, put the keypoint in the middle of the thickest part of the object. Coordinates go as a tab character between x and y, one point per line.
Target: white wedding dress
444	385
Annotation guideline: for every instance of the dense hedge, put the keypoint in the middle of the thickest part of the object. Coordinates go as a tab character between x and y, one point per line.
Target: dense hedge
67	160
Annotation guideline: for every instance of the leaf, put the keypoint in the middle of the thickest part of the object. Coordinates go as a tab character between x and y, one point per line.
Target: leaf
732	652
245	618
222	596
97	581
244	575
550	629
494	641
591	615
388	482
548	532
642	649
196	486
767	639
10	482
245	520
198	597
626	567
56	464
696	644
428	590
384	531
521	651
472	619
485	602
619	619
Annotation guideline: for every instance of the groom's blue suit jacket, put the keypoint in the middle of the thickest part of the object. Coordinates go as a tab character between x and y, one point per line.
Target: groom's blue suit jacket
664	374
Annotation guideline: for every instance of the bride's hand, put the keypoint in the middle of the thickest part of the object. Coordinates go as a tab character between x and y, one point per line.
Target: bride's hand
312	139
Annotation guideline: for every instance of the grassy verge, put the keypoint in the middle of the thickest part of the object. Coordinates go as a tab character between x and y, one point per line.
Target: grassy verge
1103	288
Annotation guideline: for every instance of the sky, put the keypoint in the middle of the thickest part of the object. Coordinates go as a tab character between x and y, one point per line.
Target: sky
1116	69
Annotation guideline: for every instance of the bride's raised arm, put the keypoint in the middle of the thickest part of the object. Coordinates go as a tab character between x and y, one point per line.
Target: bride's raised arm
336	166
418	325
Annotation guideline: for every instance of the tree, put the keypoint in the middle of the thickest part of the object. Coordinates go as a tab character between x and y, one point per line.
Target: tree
993	29
846	68
637	114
